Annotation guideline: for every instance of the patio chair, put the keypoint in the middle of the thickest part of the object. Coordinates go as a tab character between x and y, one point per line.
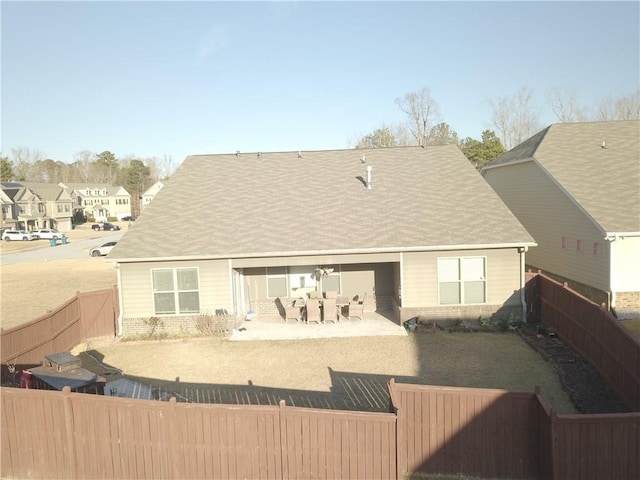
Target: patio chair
313	310
330	310
291	311
315	294
330	294
355	309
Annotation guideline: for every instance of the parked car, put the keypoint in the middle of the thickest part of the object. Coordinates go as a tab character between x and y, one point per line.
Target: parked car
47	234
105	226
9	235
102	250
129	218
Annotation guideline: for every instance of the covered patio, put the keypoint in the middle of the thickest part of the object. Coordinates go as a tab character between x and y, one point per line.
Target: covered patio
273	327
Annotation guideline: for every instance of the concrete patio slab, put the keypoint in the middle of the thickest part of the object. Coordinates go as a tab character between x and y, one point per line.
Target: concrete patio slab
264	327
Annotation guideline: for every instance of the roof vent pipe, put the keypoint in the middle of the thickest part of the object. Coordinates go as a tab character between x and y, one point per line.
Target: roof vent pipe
369	168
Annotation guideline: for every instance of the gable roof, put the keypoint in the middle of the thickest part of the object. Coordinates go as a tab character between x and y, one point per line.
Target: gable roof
153	189
305	203
47	191
112	190
4	198
18	192
597	164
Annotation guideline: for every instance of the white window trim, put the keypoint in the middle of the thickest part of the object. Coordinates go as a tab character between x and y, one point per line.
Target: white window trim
461	282
175	291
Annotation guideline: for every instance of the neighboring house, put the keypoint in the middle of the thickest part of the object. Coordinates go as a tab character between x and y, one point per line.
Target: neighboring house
426	236
99	201
576	188
58	205
8	220
151	192
38	205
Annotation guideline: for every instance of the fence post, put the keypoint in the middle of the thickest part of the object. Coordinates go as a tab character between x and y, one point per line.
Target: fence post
173	422
395	408
69	424
554	446
284	453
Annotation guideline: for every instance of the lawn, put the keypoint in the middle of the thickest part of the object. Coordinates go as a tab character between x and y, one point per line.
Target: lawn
483	360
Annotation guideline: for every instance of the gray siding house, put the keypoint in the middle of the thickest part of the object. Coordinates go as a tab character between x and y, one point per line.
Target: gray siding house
414	230
576	189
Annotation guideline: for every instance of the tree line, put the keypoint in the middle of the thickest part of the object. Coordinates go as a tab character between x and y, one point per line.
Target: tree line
134	174
514	118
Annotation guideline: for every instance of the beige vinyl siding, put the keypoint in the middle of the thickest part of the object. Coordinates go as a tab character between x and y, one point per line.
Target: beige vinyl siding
548	214
420	271
137	286
626	264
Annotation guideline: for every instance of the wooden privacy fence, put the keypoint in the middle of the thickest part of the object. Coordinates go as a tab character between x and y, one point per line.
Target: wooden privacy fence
47	434
500	434
468	431
431	430
84	316
596	447
590	330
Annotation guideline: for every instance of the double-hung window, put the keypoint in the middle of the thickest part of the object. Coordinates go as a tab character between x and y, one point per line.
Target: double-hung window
462	281
176	291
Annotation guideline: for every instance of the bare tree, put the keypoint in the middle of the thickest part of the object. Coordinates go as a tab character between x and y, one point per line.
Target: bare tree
515	118
626	107
422	111
82	161
24	160
564	105
401	133
606	110
168	166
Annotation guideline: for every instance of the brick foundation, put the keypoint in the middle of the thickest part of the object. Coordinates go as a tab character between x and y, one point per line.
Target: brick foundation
179	325
458	312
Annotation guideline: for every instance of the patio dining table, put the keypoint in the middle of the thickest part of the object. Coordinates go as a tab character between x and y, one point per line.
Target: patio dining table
301	303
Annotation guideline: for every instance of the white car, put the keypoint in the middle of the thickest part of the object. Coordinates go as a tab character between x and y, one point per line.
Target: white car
9	235
102	250
47	234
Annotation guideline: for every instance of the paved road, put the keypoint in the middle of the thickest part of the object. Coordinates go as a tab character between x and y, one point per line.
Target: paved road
73	249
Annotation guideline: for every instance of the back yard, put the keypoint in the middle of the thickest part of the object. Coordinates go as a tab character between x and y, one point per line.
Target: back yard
201	368
333	366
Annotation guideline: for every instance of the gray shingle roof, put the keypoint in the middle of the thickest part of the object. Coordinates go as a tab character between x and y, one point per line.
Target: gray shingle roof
604	181
46	191
112	190
283	203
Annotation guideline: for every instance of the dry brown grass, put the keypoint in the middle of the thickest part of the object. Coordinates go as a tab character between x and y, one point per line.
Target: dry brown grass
483	360
29	290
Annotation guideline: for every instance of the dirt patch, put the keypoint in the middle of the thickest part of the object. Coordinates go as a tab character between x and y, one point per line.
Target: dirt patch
589	391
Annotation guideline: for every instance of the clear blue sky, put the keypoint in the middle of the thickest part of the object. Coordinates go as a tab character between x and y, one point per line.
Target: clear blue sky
178	78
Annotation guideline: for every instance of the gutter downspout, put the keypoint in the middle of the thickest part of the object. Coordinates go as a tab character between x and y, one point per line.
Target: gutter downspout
120	304
523	298
611	239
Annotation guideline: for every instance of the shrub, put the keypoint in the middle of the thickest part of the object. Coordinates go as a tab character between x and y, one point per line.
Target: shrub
152	325
214	325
